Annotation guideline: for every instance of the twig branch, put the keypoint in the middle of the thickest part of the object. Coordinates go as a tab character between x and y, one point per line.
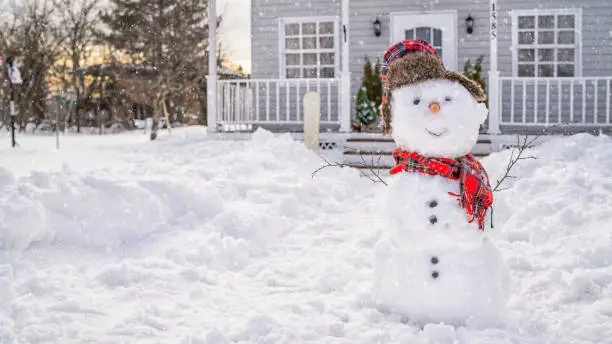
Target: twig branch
374	176
327	164
521	147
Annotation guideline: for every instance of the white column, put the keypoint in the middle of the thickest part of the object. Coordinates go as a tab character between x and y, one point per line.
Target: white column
345	82
493	96
493	34
211	82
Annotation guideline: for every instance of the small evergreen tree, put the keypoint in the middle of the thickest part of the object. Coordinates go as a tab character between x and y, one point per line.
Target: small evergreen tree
377	87
474	72
366	109
369	96
367	76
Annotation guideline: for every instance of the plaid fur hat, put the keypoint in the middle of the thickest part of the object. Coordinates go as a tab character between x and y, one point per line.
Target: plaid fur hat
412	61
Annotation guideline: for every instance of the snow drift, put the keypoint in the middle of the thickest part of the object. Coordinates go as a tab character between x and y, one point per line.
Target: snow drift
188	240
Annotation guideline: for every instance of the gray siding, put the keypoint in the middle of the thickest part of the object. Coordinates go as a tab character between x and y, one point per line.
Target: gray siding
596	32
265	24
596	37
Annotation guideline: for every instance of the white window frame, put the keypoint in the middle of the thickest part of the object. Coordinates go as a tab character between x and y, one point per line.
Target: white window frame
299	20
576	12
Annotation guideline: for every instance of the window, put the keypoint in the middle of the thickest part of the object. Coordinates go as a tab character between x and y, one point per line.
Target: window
309	48
429	34
546	43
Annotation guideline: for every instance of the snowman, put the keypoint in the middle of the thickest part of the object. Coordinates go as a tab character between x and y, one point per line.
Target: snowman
433	262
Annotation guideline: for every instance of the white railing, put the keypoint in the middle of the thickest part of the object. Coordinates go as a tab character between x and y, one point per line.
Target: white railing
244	103
578	101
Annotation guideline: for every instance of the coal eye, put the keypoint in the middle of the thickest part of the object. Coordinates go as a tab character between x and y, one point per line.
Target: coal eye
448	99
416	101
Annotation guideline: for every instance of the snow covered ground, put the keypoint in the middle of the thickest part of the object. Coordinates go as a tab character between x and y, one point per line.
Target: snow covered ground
116	239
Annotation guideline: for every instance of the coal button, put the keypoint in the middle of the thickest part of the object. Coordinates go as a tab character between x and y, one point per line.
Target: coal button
435	274
434	260
433	204
433	219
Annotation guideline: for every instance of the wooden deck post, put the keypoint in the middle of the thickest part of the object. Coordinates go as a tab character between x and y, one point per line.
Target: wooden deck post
493	96
345	82
211	82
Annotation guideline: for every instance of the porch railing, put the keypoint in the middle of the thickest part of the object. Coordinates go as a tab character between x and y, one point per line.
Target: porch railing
578	101
242	104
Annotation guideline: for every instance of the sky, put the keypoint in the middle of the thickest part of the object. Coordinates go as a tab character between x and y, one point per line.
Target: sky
235	31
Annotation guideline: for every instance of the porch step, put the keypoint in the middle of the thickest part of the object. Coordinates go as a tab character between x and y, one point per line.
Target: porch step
381	144
383	160
385	139
380	171
369	159
376	151
375	154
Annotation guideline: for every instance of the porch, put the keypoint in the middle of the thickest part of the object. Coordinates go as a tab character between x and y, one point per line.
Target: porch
517	105
274	104
524	106
557	105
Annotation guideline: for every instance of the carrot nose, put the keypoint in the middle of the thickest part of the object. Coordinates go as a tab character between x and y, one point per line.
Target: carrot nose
434	107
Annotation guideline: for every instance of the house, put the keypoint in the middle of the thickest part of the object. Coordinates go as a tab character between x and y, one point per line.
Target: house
546	62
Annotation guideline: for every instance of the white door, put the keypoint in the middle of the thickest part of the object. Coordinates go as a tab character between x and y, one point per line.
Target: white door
437	28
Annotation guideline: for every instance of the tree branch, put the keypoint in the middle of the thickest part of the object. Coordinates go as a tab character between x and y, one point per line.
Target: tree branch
521	147
375	176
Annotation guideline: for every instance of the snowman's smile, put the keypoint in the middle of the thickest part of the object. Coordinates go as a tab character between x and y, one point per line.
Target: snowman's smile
436	134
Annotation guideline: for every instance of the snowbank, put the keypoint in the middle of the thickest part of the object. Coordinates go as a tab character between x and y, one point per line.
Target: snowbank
188	240
554	223
129	201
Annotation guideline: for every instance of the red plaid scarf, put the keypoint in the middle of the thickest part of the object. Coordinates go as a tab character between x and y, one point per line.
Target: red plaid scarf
475	195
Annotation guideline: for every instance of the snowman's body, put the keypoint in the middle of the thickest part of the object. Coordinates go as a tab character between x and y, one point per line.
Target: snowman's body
431	264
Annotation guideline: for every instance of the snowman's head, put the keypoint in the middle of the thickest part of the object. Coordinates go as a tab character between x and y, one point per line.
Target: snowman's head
436	117
432	111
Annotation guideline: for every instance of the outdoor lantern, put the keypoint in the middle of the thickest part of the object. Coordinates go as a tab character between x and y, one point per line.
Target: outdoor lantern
469	24
377	26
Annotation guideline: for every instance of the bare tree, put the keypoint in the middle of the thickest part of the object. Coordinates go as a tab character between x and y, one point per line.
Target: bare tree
8	32
78	20
30	35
